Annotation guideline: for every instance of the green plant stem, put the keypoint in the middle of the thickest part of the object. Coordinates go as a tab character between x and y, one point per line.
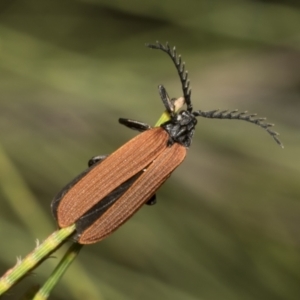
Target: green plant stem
33	259
58	272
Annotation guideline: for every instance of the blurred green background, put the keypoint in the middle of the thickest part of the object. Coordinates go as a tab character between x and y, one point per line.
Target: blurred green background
226	225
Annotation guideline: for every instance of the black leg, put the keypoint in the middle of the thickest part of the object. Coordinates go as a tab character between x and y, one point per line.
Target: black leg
96	159
135	125
152	200
168	103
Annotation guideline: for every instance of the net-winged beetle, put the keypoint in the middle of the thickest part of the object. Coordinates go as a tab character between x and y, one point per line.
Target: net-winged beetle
114	187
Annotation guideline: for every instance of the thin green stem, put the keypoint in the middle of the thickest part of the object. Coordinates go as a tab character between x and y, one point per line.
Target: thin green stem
58	272
33	259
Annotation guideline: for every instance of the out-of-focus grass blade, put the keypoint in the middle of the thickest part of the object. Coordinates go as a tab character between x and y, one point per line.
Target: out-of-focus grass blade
14	187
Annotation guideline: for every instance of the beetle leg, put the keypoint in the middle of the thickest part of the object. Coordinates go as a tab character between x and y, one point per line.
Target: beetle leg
135	125
168	103
96	159
152	200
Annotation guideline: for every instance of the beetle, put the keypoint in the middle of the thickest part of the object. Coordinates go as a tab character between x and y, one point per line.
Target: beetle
114	187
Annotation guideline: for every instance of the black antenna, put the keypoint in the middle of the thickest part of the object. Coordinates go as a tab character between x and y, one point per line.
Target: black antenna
180	66
244	116
213	114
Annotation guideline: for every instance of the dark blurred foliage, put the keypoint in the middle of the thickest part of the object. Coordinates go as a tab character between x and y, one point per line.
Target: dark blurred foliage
226	225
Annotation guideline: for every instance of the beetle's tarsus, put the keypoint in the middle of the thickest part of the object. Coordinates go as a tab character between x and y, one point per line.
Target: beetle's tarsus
168	103
95	159
135	125
152	200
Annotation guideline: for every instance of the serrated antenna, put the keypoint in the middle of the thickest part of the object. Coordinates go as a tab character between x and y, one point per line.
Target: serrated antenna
180	66
244	116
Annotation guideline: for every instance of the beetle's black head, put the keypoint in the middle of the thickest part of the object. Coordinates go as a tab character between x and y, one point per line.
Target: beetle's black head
181	126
